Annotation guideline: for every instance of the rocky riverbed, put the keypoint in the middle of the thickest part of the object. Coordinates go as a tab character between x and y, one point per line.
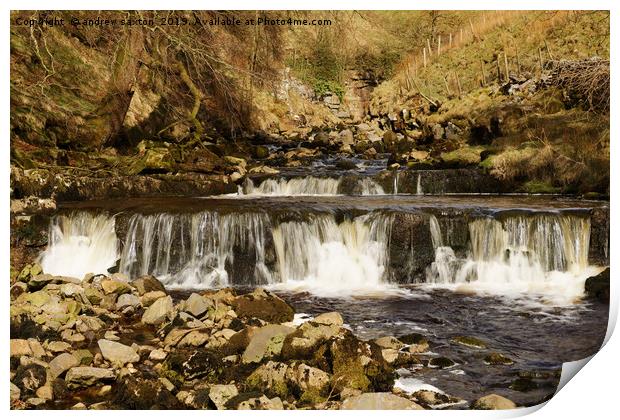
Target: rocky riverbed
111	343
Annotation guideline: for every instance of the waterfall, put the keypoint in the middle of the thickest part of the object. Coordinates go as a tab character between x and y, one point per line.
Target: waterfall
395	188
196	250
369	187
418	188
80	243
535	254
308	185
328	259
545	254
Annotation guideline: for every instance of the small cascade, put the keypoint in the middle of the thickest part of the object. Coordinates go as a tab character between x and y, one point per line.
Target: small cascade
544	254
418	189
370	187
333	259
395	188
80	243
308	185
197	250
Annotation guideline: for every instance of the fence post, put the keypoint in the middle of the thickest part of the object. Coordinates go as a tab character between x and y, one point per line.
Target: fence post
439	46
484	82
424	53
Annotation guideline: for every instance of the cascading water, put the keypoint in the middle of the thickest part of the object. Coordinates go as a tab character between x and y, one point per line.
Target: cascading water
308	185
80	243
536	254
295	186
418	189
327	258
196	250
545	254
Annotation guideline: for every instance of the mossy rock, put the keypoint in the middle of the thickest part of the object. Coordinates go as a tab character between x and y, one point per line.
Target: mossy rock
469	342
441	362
523	385
540	187
498	359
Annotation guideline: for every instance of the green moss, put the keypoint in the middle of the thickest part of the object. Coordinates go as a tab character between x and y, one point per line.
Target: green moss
312	396
540	187
464	156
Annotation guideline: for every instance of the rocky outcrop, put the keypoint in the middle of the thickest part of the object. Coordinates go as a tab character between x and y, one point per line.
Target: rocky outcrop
597	287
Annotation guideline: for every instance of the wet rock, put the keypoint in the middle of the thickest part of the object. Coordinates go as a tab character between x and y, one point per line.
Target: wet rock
117	353
472	342
80	377
61	363
146	284
197	305
329	318
355	365
440	362
597	287
221	394
389	343
498	359
151	297
430	398
493	402
270	376
379	401
417	342
263	305
523	385
411	247
266	342
159	311
29	378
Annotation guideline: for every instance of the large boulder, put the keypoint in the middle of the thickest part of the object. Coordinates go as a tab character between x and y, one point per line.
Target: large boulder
263	305
266	342
116	353
303	343
493	402
597	287
379	401
159	311
358	365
